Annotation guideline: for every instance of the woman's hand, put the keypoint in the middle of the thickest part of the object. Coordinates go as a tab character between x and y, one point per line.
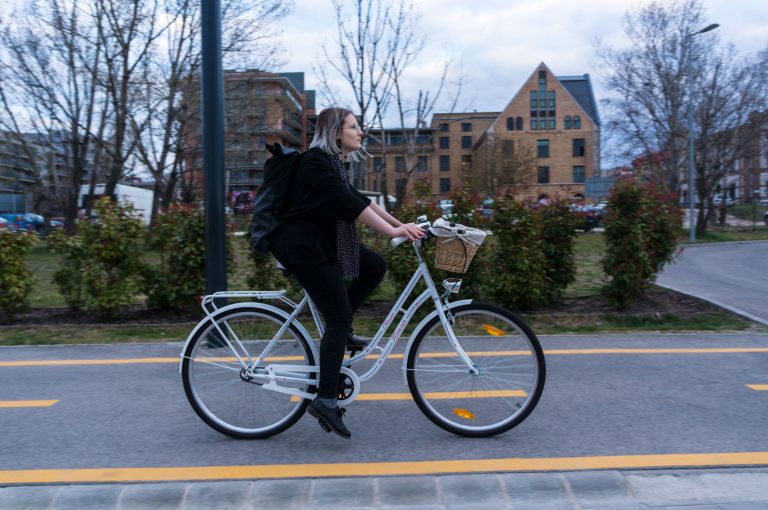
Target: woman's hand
409	230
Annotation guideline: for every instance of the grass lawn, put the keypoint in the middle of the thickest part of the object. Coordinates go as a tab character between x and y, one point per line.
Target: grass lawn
731	234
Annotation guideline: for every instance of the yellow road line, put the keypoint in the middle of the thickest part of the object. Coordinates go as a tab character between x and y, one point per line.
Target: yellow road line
26	403
438	395
550	352
758	387
154	474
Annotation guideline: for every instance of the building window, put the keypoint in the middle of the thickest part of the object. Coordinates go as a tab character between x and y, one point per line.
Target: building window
534	124
399	164
466	142
519	123
578	174
421	165
444	142
378	164
543	175
445	163
443	128
534	100
551	99
445	184
466	160
542	148
578	147
567	122
576	122
551	122
466	126
400	185
510	124
542	78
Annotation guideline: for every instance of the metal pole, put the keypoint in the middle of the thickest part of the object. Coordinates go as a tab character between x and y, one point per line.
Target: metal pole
212	86
691	172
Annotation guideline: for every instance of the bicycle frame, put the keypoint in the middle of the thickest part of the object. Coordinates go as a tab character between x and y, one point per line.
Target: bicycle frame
271	375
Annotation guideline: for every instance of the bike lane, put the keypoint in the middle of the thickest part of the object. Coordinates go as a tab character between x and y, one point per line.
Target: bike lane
610	402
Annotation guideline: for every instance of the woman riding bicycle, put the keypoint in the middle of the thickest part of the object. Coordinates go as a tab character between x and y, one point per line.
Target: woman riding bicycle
319	246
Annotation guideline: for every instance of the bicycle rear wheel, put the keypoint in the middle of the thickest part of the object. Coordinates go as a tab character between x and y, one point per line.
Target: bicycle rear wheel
508	378
216	383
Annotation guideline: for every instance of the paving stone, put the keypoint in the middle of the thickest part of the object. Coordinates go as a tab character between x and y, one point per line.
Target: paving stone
701	488
417	507
207	495
472	490
27	498
346	493
87	496
745	506
153	496
596	489
408	491
535	488
282	494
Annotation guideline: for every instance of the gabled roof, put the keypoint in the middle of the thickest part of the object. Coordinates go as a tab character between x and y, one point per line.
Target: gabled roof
580	87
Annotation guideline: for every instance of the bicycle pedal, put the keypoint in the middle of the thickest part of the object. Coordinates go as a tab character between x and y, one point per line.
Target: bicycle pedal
324	426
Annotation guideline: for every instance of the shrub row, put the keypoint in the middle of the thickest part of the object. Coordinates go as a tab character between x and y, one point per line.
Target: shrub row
15	277
641	232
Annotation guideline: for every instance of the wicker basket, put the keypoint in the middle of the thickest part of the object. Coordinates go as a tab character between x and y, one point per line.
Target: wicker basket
454	254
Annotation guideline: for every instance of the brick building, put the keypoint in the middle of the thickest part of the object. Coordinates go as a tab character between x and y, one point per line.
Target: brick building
259	108
548	137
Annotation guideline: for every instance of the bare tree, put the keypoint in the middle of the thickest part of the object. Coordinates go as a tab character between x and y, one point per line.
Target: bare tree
172	68
649	98
372	50
503	164
50	96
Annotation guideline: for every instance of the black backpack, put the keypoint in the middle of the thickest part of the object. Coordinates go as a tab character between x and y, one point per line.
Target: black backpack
272	197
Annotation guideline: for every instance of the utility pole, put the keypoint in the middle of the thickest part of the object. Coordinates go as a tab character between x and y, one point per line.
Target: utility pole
212	82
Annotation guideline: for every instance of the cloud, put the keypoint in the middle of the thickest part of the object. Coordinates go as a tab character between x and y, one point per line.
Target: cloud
496	44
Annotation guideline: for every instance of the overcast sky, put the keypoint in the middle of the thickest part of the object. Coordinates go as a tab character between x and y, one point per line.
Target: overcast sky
498	43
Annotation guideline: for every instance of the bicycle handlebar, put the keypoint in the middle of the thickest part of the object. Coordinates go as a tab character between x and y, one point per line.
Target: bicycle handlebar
422	223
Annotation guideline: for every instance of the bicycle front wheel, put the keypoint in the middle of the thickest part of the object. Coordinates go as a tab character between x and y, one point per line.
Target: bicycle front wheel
218	384
503	385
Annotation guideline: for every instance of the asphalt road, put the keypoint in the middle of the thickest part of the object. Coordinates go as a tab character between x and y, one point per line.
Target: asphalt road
731	275
695	399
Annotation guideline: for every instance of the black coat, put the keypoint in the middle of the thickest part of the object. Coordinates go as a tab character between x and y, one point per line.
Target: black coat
318	198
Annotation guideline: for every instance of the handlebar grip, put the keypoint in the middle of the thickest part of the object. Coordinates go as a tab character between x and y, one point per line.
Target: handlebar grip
397	241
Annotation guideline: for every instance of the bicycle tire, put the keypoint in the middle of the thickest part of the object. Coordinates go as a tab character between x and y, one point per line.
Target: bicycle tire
213	384
500	396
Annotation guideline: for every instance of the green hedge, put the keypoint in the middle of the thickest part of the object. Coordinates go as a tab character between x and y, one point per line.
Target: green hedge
16	279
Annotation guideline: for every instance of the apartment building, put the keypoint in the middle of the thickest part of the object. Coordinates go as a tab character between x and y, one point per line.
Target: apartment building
259	108
546	138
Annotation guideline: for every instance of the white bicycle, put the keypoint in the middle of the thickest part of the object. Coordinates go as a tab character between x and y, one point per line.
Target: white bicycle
250	368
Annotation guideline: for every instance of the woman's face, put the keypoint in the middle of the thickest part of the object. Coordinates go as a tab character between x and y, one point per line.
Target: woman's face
351	134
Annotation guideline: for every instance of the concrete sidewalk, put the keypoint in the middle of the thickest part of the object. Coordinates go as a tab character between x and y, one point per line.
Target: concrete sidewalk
732	489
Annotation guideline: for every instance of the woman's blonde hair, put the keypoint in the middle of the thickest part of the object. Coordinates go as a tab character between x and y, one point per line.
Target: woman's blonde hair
327	131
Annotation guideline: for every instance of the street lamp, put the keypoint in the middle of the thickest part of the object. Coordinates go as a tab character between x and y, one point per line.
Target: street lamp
691	174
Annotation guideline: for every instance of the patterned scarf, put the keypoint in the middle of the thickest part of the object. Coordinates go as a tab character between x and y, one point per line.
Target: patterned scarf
347	243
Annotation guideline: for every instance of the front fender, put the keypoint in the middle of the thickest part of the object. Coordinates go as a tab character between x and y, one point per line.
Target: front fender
247	304
418	329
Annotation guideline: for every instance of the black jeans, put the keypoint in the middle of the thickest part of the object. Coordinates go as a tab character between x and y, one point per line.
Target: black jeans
337	302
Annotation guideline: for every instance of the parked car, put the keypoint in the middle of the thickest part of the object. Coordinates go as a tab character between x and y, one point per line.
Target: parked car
22	221
588	216
7	226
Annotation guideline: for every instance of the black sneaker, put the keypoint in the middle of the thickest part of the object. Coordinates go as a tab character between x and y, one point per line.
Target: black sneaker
329	418
355	344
